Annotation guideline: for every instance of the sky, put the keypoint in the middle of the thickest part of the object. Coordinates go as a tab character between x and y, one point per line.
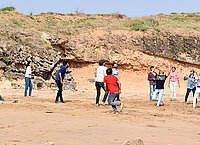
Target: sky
130	8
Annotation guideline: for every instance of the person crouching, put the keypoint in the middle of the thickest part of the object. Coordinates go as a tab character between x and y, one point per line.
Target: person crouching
112	82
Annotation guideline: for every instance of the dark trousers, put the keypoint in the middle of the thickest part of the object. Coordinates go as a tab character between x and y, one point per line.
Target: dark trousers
118	94
188	92
59	94
100	85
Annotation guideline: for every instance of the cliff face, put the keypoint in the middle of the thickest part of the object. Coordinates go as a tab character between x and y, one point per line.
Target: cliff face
46	49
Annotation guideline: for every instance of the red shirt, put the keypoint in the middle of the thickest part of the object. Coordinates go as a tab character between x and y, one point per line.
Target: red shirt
111	82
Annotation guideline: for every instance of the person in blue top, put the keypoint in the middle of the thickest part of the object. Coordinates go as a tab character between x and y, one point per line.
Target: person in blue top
190	85
115	72
59	80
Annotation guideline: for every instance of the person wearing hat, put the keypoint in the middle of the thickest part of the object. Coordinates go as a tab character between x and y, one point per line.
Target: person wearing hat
191	86
115	72
100	74
173	79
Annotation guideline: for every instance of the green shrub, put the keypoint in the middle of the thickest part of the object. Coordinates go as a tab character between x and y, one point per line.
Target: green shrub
8	9
139	25
15	21
193	15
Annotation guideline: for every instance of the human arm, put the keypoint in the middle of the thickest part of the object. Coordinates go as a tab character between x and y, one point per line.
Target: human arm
61	81
105	88
178	82
118	82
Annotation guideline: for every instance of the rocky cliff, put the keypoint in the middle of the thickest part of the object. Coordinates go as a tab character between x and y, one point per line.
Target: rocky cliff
48	39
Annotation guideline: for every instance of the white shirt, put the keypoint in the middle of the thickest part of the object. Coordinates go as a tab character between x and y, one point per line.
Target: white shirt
115	72
28	71
197	78
101	73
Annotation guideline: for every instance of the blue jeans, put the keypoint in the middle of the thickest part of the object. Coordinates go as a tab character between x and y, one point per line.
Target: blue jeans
111	99
160	92
152	89
28	84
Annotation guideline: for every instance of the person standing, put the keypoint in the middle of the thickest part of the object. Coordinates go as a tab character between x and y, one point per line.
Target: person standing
173	79
100	74
115	72
59	80
114	87
190	85
152	82
28	83
197	92
160	81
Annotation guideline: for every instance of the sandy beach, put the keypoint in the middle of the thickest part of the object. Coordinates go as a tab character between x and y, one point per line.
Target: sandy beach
38	120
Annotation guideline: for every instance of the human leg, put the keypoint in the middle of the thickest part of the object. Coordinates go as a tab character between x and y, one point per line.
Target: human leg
98	88
105	95
59	94
195	97
155	95
175	86
187	94
151	91
111	99
171	89
26	86
30	87
160	96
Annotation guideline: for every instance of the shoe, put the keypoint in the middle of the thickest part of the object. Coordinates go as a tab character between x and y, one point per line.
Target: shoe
103	104
57	102
118	100
121	107
115	112
62	102
185	103
171	99
162	104
97	104
174	99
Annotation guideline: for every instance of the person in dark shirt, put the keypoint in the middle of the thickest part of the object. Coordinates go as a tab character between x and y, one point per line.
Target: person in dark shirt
160	81
152	82
59	80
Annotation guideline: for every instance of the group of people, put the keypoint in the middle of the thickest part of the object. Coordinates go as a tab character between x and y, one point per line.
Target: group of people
105	78
157	81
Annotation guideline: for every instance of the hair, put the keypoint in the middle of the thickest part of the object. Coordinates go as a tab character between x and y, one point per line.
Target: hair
64	63
101	62
192	72
161	72
151	67
114	64
109	71
174	67
28	63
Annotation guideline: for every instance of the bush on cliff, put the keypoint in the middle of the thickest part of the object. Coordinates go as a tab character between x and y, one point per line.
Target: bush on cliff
8	9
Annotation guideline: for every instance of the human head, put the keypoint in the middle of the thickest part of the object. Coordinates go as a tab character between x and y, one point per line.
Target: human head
151	68
161	72
102	62
173	69
65	63
109	71
192	72
29	63
115	65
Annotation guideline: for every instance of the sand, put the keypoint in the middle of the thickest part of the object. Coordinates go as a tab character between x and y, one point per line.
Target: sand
38	120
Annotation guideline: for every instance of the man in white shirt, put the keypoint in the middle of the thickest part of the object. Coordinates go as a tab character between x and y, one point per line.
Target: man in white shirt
100	74
28	82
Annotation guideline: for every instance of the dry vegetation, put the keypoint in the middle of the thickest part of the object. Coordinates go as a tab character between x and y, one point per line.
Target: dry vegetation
69	24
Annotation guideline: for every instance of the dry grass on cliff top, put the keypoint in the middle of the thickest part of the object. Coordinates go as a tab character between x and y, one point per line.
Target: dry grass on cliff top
69	24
